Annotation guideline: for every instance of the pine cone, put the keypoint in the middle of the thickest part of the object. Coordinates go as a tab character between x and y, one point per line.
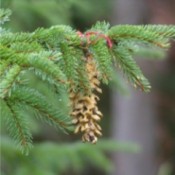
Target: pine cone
85	112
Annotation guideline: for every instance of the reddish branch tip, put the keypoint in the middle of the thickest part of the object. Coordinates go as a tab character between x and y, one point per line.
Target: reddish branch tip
99	35
80	34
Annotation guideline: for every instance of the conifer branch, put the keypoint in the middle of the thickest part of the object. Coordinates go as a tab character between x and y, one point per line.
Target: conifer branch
154	35
76	155
103	58
162	30
36	100
16	124
4	15
74	62
8	81
130	68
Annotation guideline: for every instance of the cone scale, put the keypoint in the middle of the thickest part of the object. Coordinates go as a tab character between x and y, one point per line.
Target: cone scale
85	113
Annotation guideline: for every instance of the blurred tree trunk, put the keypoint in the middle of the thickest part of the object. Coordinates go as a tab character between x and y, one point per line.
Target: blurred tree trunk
134	115
163	12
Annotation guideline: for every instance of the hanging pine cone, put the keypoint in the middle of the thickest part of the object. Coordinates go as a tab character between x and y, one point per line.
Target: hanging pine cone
85	112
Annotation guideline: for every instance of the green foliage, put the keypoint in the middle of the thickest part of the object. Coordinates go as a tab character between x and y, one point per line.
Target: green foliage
60	158
155	35
29	15
4	15
56	58
133	40
103	58
37	12
130	68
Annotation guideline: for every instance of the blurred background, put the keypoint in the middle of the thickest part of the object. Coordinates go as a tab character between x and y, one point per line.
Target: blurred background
129	115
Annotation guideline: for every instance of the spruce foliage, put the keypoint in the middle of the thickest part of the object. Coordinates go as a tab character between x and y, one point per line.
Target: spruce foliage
58	57
56	159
